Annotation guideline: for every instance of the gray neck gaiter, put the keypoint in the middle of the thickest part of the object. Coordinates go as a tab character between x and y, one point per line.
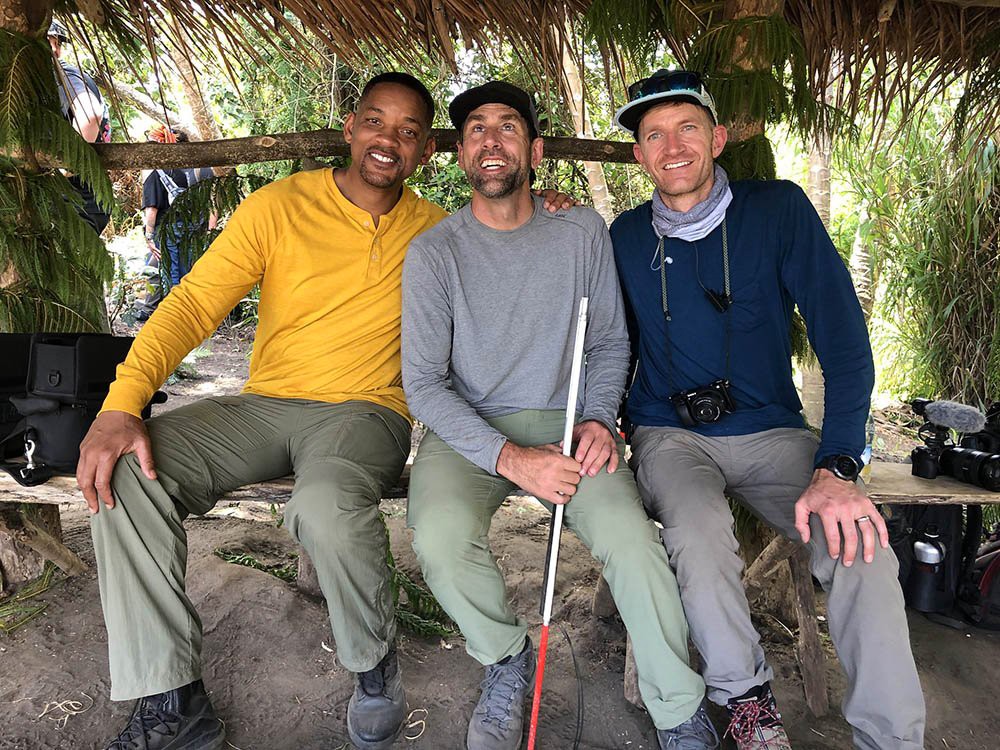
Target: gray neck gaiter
700	220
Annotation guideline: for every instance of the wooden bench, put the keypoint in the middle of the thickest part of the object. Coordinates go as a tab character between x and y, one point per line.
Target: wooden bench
890	483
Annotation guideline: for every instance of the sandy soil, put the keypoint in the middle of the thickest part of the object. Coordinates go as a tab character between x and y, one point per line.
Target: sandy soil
277	686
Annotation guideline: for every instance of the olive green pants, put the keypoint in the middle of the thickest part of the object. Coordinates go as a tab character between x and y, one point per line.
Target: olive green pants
452	502
343	457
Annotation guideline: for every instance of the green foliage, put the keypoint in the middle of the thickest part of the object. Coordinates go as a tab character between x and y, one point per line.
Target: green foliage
286	572
15	612
59	264
757	71
933	227
979	106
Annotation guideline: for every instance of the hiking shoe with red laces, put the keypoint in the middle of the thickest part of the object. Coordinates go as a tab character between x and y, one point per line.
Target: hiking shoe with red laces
754	721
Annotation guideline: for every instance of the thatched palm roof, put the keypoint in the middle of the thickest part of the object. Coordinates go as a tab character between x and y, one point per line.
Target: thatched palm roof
878	48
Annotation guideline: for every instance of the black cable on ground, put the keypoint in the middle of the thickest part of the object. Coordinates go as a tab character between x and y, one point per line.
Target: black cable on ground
579	689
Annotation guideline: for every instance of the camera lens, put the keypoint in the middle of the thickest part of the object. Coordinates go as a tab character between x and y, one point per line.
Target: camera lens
706	407
972	467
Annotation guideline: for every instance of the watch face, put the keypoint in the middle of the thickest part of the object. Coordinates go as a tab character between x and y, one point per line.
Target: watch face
845	467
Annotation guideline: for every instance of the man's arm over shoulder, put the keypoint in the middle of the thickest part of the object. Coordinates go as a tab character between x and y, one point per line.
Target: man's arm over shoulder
426	351
819	282
194	309
606	344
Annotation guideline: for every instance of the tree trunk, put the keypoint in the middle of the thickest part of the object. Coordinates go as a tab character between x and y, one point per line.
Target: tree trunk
201	110
861	266
742	128
28	17
139	100
818	190
19	561
574	91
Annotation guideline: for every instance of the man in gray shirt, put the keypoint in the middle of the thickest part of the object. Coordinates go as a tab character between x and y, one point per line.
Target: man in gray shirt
489	304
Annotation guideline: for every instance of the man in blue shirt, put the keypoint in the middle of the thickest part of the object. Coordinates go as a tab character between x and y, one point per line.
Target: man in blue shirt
711	272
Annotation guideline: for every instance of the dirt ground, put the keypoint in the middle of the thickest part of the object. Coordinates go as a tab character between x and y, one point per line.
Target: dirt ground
270	661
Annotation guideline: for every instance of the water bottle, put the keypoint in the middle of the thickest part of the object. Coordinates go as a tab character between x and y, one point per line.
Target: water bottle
927	589
866	455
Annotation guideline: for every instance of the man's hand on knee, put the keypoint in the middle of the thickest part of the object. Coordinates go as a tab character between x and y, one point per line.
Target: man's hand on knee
111	436
595	446
543	471
843	509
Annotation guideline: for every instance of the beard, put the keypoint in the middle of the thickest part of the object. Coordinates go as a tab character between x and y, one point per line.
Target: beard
498	186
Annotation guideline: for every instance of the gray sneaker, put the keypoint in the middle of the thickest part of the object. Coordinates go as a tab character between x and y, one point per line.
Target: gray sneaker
498	718
697	733
377	709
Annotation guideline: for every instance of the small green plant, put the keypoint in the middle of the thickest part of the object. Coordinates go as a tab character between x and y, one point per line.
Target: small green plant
286	572
14	613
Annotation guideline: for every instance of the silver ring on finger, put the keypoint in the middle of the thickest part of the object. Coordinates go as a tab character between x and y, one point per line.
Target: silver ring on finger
863	519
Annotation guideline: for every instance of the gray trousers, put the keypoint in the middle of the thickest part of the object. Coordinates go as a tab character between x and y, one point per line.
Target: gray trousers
343	457
683	478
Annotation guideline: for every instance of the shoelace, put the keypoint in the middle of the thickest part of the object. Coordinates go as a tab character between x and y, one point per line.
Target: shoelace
499	688
145	719
746	720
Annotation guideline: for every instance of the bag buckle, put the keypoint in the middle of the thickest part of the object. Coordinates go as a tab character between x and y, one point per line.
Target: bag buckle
29	454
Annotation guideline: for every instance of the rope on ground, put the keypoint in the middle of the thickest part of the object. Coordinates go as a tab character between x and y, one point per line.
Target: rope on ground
413	723
68	707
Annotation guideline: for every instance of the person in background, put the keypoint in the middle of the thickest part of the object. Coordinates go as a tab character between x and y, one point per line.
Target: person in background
160	188
82	104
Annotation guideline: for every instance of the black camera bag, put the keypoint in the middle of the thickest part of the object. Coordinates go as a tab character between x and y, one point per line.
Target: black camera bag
68	375
15	349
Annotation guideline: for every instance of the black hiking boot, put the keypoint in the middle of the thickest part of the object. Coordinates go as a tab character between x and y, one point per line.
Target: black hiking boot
179	719
377	709
498	719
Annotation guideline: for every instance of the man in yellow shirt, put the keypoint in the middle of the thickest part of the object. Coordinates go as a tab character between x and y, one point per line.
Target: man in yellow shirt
324	401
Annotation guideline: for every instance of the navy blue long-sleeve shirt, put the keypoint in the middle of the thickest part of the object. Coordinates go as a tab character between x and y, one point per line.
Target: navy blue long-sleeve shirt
780	256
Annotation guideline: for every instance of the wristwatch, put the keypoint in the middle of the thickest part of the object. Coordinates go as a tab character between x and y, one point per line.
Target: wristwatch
842	466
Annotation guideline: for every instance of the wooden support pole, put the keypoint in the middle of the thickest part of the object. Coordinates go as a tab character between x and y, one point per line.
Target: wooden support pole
314	144
809	650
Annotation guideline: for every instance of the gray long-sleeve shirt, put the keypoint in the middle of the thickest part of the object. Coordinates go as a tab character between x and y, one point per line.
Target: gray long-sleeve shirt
489	319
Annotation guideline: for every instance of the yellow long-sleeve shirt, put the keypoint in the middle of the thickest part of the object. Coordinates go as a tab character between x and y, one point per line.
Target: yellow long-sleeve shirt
329	314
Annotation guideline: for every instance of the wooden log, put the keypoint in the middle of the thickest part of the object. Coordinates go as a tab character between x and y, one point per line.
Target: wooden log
306	580
34	535
809	649
632	694
603	604
765	565
314	144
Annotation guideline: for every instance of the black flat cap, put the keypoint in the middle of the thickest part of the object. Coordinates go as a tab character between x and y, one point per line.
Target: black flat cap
494	92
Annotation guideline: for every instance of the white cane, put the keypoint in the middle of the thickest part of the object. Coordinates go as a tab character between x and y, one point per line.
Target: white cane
555	529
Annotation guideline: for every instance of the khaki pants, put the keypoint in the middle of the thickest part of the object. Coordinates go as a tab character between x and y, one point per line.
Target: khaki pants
684	478
343	457
451	504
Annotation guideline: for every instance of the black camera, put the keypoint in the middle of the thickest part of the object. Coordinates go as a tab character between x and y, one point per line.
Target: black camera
939	455
704	404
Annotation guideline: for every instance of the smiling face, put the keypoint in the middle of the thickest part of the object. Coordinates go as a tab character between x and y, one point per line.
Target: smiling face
497	152
677	145
389	135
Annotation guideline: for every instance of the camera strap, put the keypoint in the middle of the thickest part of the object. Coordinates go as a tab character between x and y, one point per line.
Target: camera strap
722	303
